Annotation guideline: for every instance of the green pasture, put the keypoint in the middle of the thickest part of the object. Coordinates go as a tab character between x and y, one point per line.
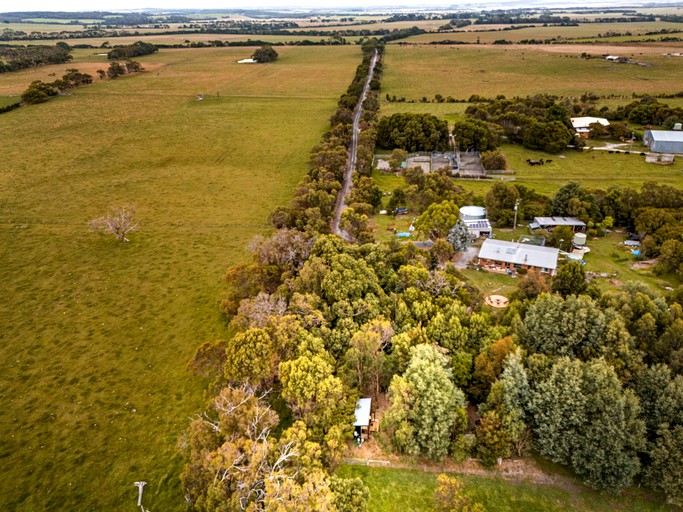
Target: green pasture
483	34
96	334
461	71
413	491
595	169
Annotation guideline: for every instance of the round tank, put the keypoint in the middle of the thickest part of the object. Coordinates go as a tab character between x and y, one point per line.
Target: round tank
472	213
580	239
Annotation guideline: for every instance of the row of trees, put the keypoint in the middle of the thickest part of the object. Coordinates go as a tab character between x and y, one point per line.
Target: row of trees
40	91
314	199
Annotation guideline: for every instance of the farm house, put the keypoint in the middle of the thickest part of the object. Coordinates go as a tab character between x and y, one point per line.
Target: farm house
664	141
499	255
582	124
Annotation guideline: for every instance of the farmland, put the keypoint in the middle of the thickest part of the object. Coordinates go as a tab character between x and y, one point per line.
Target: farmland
488	34
96	334
461	71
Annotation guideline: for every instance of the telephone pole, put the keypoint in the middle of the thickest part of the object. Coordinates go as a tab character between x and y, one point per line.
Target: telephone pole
514	226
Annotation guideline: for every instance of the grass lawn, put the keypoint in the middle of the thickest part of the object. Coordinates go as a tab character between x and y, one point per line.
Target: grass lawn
413	491
96	334
461	71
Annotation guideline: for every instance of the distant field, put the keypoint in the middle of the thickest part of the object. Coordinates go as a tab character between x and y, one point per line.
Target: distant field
381	25
461	71
413	491
41	27
96	334
471	33
179	39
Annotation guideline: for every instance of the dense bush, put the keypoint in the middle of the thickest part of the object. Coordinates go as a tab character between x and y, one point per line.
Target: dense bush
412	132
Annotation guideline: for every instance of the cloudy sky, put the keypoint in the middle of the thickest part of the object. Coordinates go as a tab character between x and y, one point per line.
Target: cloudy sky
112	5
105	5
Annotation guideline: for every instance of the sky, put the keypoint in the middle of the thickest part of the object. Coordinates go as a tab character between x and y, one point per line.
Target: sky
113	5
107	5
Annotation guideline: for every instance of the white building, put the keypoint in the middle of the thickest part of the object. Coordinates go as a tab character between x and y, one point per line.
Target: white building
512	256
475	219
582	124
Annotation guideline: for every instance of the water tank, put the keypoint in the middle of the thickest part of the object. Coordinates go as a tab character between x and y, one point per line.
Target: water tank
678	127
580	239
472	213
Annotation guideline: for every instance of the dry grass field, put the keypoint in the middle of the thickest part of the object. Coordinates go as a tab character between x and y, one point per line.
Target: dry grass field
96	334
490	33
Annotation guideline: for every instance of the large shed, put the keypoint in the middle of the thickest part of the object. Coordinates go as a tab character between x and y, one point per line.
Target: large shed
664	141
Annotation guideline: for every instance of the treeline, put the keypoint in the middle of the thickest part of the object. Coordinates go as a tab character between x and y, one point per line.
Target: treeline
111	18
13	58
312	208
137	49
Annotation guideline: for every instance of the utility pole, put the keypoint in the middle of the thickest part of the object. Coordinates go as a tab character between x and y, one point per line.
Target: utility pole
140	486
514	226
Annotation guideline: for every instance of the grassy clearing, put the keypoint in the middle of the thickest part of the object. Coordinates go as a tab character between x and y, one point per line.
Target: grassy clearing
96	334
461	71
413	490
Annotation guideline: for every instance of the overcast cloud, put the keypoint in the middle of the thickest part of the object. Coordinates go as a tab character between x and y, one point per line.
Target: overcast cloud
111	5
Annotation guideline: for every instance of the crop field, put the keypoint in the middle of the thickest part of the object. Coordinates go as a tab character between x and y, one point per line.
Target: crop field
96	334
461	71
413	491
473	33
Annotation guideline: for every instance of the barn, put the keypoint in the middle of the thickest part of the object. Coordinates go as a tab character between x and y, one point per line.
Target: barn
664	141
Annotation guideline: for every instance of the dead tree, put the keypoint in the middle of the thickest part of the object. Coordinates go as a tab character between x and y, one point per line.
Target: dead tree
119	222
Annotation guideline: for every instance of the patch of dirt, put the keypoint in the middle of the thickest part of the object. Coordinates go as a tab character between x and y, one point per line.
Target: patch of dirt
516	470
645	264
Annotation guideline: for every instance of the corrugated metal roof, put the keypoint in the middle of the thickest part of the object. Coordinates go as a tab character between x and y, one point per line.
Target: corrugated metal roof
558	221
363	412
666	135
519	254
585	122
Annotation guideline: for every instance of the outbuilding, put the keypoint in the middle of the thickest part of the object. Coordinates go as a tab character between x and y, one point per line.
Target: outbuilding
365	421
664	141
549	223
512	256
475	219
